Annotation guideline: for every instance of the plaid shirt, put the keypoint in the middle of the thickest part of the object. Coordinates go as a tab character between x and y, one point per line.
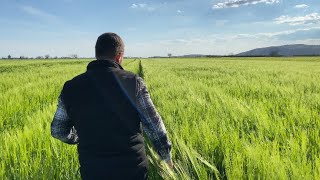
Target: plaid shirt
63	129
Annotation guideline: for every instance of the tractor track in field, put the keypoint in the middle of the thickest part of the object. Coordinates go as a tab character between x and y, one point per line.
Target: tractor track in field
130	62
140	71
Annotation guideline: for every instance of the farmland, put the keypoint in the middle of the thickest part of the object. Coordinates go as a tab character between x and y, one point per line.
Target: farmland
227	118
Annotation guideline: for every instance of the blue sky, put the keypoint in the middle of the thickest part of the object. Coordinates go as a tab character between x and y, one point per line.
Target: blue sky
158	27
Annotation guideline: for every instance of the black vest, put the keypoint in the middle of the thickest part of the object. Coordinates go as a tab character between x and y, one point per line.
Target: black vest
102	105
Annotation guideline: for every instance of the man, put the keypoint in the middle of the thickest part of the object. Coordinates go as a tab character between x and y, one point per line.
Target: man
103	111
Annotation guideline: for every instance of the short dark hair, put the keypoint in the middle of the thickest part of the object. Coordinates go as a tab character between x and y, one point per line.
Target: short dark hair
109	45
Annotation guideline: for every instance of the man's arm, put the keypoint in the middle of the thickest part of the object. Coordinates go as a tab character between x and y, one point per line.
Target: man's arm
62	127
152	123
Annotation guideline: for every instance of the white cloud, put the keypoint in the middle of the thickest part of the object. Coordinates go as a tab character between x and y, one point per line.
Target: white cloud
312	18
222	44
273	34
38	13
238	3
133	6
301	6
179	11
142	6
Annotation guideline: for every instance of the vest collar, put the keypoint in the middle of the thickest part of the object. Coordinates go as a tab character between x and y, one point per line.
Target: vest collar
107	63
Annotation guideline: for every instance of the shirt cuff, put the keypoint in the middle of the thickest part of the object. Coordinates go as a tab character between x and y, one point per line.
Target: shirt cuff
165	155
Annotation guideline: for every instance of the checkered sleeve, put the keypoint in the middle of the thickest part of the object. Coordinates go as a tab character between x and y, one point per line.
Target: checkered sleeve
62	127
152	123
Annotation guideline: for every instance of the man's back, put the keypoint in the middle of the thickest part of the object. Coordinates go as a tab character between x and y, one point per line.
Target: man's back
95	100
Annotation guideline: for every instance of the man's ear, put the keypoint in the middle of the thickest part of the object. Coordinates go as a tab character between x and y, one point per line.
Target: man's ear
119	57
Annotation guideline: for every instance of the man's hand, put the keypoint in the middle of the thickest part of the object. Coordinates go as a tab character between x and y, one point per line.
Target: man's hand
170	163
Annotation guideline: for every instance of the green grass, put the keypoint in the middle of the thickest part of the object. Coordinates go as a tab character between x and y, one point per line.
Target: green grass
228	118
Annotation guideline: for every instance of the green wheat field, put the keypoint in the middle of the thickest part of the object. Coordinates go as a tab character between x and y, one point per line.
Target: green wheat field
227	118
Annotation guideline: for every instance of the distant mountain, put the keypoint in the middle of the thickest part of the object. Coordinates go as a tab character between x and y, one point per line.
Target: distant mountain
286	50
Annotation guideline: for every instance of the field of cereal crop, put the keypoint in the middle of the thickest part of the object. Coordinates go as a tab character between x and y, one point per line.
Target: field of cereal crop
227	118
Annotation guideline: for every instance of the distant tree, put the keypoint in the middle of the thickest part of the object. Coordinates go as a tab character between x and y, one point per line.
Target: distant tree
47	56
169	55
56	57
39	57
74	56
9	56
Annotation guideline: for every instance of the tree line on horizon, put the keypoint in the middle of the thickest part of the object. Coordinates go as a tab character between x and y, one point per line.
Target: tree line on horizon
47	56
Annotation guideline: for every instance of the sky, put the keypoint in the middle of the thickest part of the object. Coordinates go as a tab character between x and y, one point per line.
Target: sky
155	28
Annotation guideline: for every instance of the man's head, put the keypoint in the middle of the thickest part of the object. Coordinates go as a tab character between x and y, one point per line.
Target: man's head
109	46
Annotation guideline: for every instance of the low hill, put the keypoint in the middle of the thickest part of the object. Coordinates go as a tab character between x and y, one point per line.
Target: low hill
286	50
